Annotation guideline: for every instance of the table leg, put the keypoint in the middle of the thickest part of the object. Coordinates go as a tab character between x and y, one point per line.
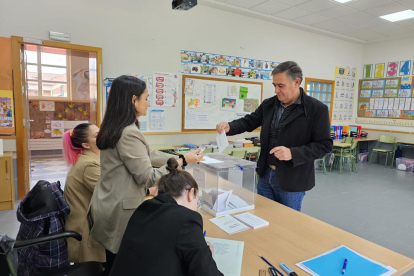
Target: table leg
340	162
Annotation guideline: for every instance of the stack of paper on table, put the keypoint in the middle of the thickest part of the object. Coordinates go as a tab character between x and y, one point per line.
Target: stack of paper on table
331	262
239	223
228	255
251	220
229	224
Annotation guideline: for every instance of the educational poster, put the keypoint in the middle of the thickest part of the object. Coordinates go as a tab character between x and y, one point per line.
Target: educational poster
405	68
207	102
222	65
250	105
390	98
6	113
228	104
392	69
368	68
57	128
165	89
210	94
46	106
345	79
156	118
379	70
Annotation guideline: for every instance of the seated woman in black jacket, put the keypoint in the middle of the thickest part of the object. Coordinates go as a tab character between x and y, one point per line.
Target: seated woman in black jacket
165	234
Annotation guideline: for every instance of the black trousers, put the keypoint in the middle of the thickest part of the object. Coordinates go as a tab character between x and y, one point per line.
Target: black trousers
110	258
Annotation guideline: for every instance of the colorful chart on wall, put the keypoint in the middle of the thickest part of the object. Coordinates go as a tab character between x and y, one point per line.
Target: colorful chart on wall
208	101
345	80
390	98
6	113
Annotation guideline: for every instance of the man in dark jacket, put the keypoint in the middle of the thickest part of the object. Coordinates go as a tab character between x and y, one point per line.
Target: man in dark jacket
295	131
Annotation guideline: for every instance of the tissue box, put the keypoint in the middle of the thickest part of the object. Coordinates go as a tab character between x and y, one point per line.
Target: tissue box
226	183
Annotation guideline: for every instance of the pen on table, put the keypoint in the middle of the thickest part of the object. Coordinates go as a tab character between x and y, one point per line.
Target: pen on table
288	270
205	232
344	266
271	265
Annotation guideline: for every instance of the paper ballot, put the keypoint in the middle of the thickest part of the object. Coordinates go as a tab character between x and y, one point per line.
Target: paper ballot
221	200
229	224
209	160
251	220
222	141
228	255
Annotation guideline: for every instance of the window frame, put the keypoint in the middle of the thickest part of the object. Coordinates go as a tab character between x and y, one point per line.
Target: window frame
40	80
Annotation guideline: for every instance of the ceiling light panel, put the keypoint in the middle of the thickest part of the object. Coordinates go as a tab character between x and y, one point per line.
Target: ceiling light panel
398	16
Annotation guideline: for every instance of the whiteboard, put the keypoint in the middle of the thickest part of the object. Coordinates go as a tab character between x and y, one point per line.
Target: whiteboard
208	101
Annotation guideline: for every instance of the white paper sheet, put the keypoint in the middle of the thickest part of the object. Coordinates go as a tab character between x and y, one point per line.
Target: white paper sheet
228	255
222	202
237	202
251	220
229	224
209	160
222	141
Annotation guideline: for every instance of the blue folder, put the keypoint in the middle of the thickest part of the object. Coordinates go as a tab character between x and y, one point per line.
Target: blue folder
331	264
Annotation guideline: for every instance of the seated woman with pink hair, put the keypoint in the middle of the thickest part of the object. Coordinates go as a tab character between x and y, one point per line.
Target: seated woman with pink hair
82	154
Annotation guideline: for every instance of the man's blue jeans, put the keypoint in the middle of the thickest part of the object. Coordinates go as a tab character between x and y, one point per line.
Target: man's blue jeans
267	187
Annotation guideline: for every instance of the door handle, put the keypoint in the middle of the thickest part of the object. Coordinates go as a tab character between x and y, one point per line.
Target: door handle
31	120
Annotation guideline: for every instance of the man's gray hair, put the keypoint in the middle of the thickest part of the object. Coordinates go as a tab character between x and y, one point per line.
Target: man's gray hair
291	69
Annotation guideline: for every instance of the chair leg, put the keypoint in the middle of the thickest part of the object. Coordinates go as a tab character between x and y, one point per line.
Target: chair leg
386	159
324	167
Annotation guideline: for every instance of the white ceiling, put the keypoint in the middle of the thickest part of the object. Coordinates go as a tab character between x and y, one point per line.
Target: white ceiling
357	20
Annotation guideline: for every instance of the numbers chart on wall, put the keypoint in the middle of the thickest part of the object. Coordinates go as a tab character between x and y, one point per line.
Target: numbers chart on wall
389	69
390	98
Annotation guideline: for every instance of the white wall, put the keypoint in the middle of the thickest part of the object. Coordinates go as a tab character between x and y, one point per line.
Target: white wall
139	37
383	52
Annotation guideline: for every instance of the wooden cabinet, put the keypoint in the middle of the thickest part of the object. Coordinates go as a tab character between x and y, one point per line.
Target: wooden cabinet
6	182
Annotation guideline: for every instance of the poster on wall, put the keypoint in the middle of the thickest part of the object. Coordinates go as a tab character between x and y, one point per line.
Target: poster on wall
165	89
80	85
387	98
6	113
345	80
193	62
46	106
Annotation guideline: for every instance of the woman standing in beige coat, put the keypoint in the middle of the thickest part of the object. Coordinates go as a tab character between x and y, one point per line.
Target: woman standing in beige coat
126	165
81	152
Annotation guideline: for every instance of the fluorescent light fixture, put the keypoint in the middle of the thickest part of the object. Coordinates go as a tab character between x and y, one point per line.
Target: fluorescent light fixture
343	1
398	16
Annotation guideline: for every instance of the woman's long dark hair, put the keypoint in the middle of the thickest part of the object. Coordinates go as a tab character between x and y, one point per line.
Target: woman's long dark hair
120	112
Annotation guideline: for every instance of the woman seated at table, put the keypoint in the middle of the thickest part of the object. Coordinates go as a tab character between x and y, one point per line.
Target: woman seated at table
165	234
82	154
